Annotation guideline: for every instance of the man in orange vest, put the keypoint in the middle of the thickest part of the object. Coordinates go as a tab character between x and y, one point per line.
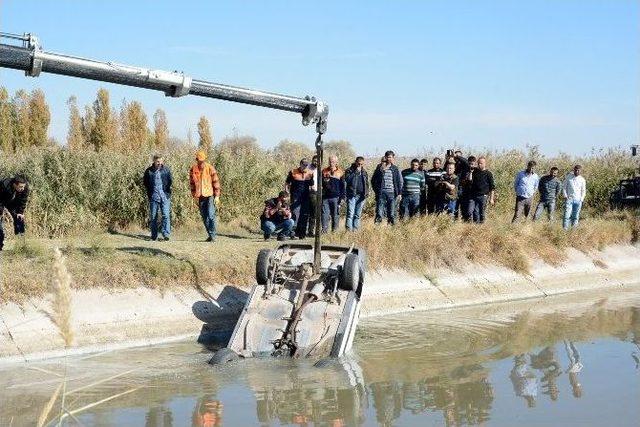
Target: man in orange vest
205	187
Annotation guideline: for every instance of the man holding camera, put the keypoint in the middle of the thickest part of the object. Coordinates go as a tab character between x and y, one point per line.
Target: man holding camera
446	191
276	217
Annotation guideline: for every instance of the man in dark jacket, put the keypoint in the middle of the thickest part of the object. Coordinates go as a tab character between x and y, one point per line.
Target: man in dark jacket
549	187
479	190
298	184
432	176
157	181
357	183
387	184
462	170
333	193
14	193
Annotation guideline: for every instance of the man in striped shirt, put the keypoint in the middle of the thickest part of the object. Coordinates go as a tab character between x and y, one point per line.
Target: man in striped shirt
413	184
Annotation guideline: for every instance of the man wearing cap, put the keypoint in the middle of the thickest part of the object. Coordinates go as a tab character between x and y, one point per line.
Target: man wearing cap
205	187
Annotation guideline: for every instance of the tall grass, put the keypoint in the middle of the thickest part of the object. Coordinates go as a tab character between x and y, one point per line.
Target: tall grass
81	190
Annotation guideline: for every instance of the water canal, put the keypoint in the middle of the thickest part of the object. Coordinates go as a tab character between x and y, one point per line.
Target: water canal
570	360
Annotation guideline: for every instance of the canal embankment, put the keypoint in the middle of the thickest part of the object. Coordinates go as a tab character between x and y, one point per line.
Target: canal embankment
104	320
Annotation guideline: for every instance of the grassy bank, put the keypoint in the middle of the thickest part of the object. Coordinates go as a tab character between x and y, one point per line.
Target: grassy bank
129	259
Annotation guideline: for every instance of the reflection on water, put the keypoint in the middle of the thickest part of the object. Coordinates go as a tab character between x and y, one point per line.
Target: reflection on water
570	360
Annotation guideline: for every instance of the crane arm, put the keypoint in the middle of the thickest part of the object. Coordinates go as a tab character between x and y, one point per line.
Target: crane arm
32	59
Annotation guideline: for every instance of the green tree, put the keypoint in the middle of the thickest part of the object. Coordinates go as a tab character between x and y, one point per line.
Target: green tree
204	131
104	130
340	148
39	119
20	119
6	121
133	126
238	145
160	130
290	152
75	134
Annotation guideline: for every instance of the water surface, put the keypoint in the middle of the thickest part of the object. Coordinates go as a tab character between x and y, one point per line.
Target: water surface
558	361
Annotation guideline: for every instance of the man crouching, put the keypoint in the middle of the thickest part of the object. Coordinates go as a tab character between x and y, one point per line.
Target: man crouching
14	193
276	217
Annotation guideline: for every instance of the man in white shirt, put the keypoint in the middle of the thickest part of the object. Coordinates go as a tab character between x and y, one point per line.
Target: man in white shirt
574	190
525	187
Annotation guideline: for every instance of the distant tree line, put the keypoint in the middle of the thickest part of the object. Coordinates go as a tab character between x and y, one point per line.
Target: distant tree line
25	118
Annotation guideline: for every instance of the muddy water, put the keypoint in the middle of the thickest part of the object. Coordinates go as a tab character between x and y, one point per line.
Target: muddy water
557	361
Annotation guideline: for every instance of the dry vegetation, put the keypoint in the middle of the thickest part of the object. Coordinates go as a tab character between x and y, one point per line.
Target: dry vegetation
129	259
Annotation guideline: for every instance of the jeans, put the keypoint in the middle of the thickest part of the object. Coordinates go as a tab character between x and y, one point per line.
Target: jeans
208	214
523	206
386	206
409	205
330	211
475	208
571	213
284	227
446	207
423	203
355	205
18	225
165	209
549	206
300	214
311	223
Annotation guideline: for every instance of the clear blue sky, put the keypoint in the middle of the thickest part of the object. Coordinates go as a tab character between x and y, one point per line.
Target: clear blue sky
407	75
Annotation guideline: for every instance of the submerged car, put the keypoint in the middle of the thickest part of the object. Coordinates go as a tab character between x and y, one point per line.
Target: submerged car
292	312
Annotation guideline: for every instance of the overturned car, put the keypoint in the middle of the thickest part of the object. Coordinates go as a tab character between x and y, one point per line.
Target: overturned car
294	312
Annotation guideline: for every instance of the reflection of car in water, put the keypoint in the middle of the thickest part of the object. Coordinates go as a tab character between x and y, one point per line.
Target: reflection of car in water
296	313
332	392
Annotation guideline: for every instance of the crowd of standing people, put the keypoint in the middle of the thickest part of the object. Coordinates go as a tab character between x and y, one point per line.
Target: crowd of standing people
460	187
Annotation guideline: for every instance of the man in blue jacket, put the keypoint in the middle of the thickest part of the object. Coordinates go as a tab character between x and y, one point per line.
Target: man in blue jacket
157	181
387	185
357	183
333	192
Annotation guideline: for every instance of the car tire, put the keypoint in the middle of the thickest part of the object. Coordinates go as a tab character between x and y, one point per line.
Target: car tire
222	356
350	278
262	266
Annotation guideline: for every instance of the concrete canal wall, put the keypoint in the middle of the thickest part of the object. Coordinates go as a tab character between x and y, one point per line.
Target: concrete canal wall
105	320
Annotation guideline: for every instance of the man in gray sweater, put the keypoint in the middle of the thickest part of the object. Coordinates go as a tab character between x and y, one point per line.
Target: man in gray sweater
549	188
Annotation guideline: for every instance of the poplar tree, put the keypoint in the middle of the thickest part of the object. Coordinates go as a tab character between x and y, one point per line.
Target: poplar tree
75	134
105	127
6	121
88	121
204	131
20	119
160	130
39	118
133	126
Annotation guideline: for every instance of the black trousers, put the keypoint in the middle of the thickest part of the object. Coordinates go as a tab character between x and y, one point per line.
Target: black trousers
18	225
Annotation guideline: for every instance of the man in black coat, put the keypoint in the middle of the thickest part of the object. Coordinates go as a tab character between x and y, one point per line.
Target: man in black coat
157	181
14	193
